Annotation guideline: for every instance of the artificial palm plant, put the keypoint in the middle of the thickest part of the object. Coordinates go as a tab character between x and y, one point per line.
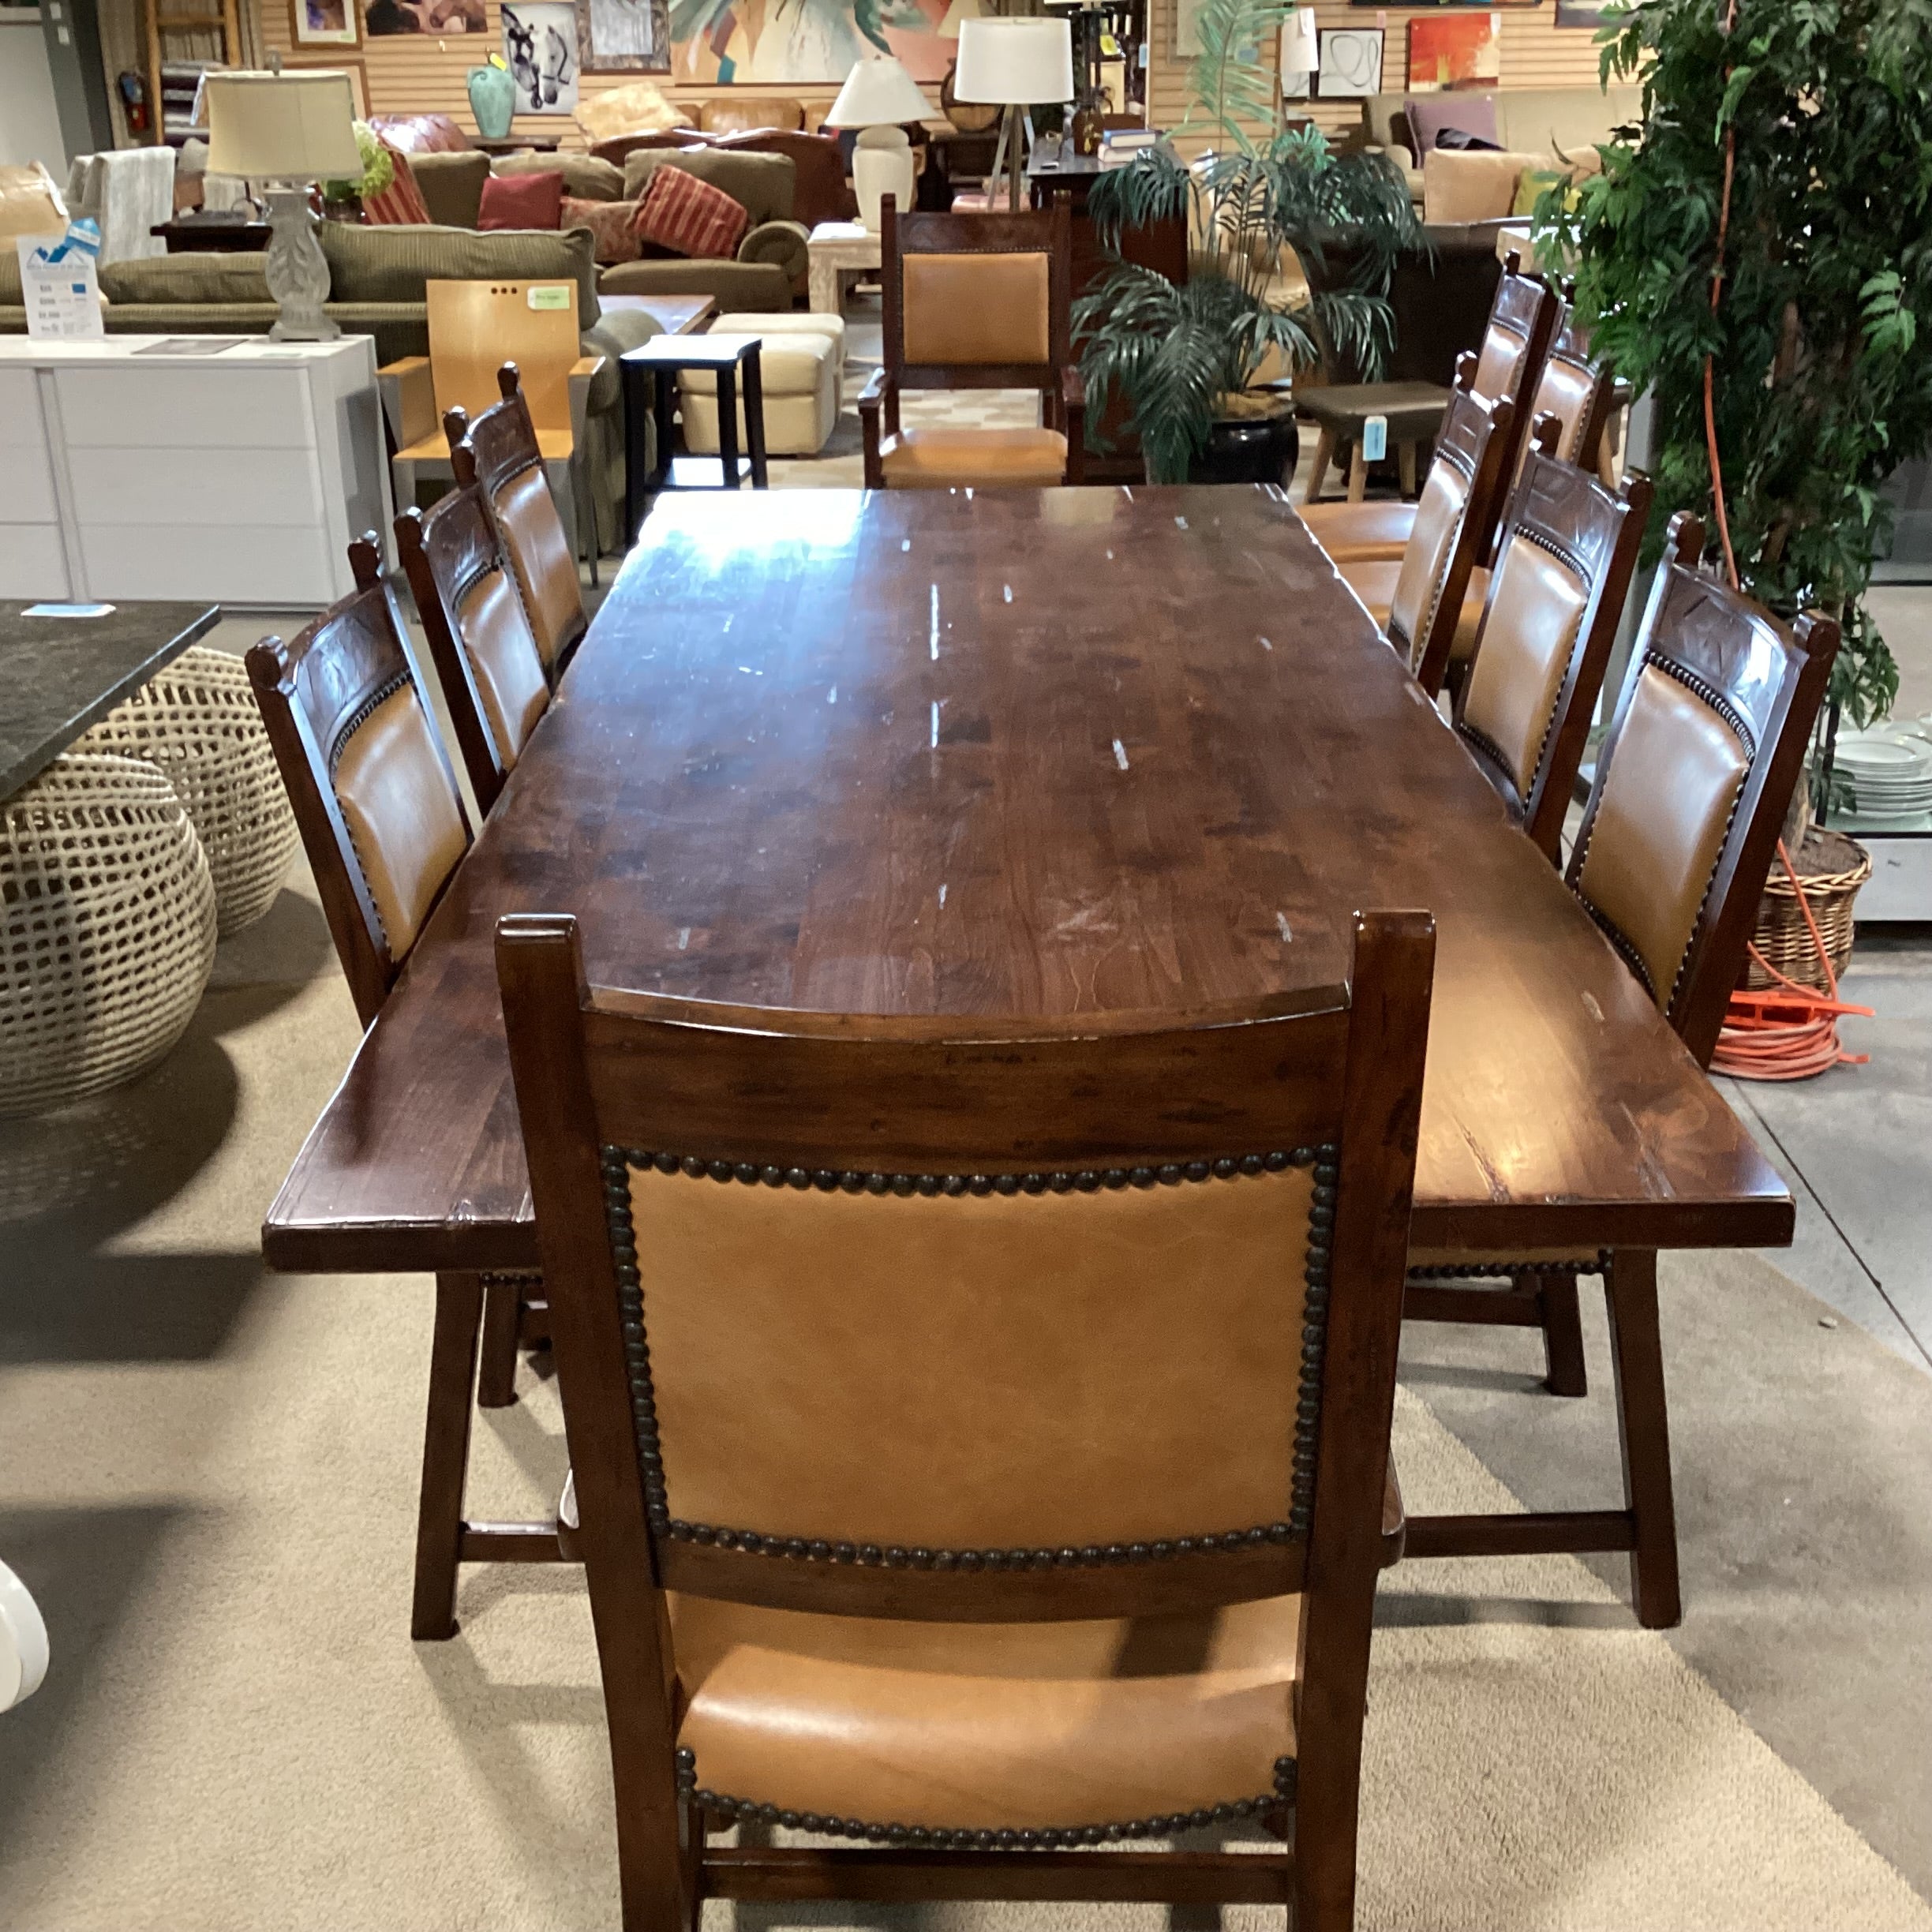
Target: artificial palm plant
1183	356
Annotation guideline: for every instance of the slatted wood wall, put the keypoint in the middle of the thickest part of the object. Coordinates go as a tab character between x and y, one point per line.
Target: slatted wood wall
1536	52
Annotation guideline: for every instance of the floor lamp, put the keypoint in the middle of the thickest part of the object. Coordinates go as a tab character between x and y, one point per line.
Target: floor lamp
1014	62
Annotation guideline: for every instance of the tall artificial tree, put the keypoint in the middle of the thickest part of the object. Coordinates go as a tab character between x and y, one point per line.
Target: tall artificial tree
1772	218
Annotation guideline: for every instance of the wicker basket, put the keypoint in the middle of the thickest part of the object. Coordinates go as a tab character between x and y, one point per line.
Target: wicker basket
198	722
1831	868
106	928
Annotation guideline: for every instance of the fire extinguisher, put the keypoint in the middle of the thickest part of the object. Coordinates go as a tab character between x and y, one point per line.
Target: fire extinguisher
134	99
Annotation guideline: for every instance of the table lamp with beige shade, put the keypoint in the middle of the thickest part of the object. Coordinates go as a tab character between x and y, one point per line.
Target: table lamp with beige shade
878	97
291	128
1017	61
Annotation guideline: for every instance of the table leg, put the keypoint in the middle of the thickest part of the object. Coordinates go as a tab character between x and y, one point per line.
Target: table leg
446	1454
1562	1333
728	425
636	420
1358	473
1318	469
1406	459
823	283
503	1309
663	382
1643	1427
755	417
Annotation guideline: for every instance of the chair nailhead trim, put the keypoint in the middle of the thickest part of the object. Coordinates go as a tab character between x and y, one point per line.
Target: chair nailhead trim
1506	1271
1702	687
619	1162
372	702
943	1838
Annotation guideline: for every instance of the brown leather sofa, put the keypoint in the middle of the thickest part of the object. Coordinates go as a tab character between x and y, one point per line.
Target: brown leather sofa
821	192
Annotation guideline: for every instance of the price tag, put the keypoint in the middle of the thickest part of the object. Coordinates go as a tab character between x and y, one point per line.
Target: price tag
1375	438
58	284
549	297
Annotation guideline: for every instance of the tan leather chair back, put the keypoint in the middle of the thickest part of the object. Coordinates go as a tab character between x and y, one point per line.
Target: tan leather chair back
1556	597
1463	482
498	452
1575	388
1693	782
871	1325
476	327
381	819
491	673
976	300
1509	366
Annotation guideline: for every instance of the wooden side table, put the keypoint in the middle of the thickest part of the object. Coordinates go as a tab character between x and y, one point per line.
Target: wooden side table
218	238
837	249
1415	411
654	364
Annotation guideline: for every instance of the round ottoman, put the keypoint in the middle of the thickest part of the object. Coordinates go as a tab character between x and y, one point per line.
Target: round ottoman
198	722
800	367
106	928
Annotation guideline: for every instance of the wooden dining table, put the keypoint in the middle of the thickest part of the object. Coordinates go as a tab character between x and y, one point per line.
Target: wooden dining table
1048	754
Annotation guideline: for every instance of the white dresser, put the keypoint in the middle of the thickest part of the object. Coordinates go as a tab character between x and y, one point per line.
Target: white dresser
240	477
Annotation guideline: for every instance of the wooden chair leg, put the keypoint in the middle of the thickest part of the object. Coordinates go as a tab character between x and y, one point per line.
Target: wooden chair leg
1406	463
503	1306
1636	1353
1318	469
1562	1335
1358	472
446	1454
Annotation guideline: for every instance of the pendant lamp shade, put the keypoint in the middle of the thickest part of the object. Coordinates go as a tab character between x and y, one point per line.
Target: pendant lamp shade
295	126
1023	60
878	92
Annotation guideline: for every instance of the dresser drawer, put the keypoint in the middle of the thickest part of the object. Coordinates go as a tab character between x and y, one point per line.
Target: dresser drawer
246	563
238	486
168	407
33	563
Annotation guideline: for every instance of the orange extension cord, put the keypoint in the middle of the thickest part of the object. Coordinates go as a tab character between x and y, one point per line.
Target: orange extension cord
1791	1032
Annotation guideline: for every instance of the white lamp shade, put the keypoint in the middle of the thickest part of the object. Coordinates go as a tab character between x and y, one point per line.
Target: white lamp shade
282	127
1023	60
1298	43
878	92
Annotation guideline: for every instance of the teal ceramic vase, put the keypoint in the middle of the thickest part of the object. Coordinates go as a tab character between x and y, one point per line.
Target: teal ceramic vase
492	100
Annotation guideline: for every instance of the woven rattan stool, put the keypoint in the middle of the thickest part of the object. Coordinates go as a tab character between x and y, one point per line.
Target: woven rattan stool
106	928
197	721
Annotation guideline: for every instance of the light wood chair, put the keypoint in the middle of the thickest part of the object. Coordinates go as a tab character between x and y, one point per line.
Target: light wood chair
500	452
474	327
486	659
384	828
981	1513
1572	385
1555	598
1429	604
1692	785
1510	362
977	302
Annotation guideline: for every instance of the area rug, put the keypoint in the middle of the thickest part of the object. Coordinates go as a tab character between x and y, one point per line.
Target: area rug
209	1480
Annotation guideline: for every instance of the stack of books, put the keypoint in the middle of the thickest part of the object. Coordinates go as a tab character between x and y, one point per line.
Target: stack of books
1118	146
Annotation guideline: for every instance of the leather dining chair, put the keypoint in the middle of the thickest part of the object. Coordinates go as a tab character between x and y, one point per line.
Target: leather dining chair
486	659
974	301
1691	788
384	826
1572	385
1555	598
884	1542
1510	365
1429	604
499	452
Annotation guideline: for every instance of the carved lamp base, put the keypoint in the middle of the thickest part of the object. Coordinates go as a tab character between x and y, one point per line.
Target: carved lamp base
296	271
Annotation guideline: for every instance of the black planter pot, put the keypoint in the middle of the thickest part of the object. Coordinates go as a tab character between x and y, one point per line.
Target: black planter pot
1254	449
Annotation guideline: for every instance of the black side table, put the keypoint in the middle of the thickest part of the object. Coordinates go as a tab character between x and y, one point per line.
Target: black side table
654	365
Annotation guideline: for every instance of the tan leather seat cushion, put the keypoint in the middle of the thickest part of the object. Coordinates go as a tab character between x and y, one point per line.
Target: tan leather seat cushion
987	1726
1361	532
539	553
402	817
942	458
1374	584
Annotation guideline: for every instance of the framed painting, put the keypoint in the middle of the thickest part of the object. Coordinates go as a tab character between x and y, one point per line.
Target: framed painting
1590	13
382	18
722	43
323	23
623	36
1351	63
540	49
1450	51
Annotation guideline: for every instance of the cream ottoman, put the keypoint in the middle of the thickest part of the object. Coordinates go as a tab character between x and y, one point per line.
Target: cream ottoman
801	360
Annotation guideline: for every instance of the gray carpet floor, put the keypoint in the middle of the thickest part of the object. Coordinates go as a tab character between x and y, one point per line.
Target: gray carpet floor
207	1476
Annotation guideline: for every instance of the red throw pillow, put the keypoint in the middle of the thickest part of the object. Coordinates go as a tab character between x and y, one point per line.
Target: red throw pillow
609	223
522	200
401	204
680	212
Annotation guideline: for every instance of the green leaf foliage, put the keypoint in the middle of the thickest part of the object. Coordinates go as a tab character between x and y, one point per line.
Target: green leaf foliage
1822	356
1258	187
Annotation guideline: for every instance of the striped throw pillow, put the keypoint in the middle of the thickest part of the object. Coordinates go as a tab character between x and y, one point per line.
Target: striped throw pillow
401	204
680	212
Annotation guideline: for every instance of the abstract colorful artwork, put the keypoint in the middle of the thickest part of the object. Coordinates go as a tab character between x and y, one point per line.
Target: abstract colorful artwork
1454	50
717	42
